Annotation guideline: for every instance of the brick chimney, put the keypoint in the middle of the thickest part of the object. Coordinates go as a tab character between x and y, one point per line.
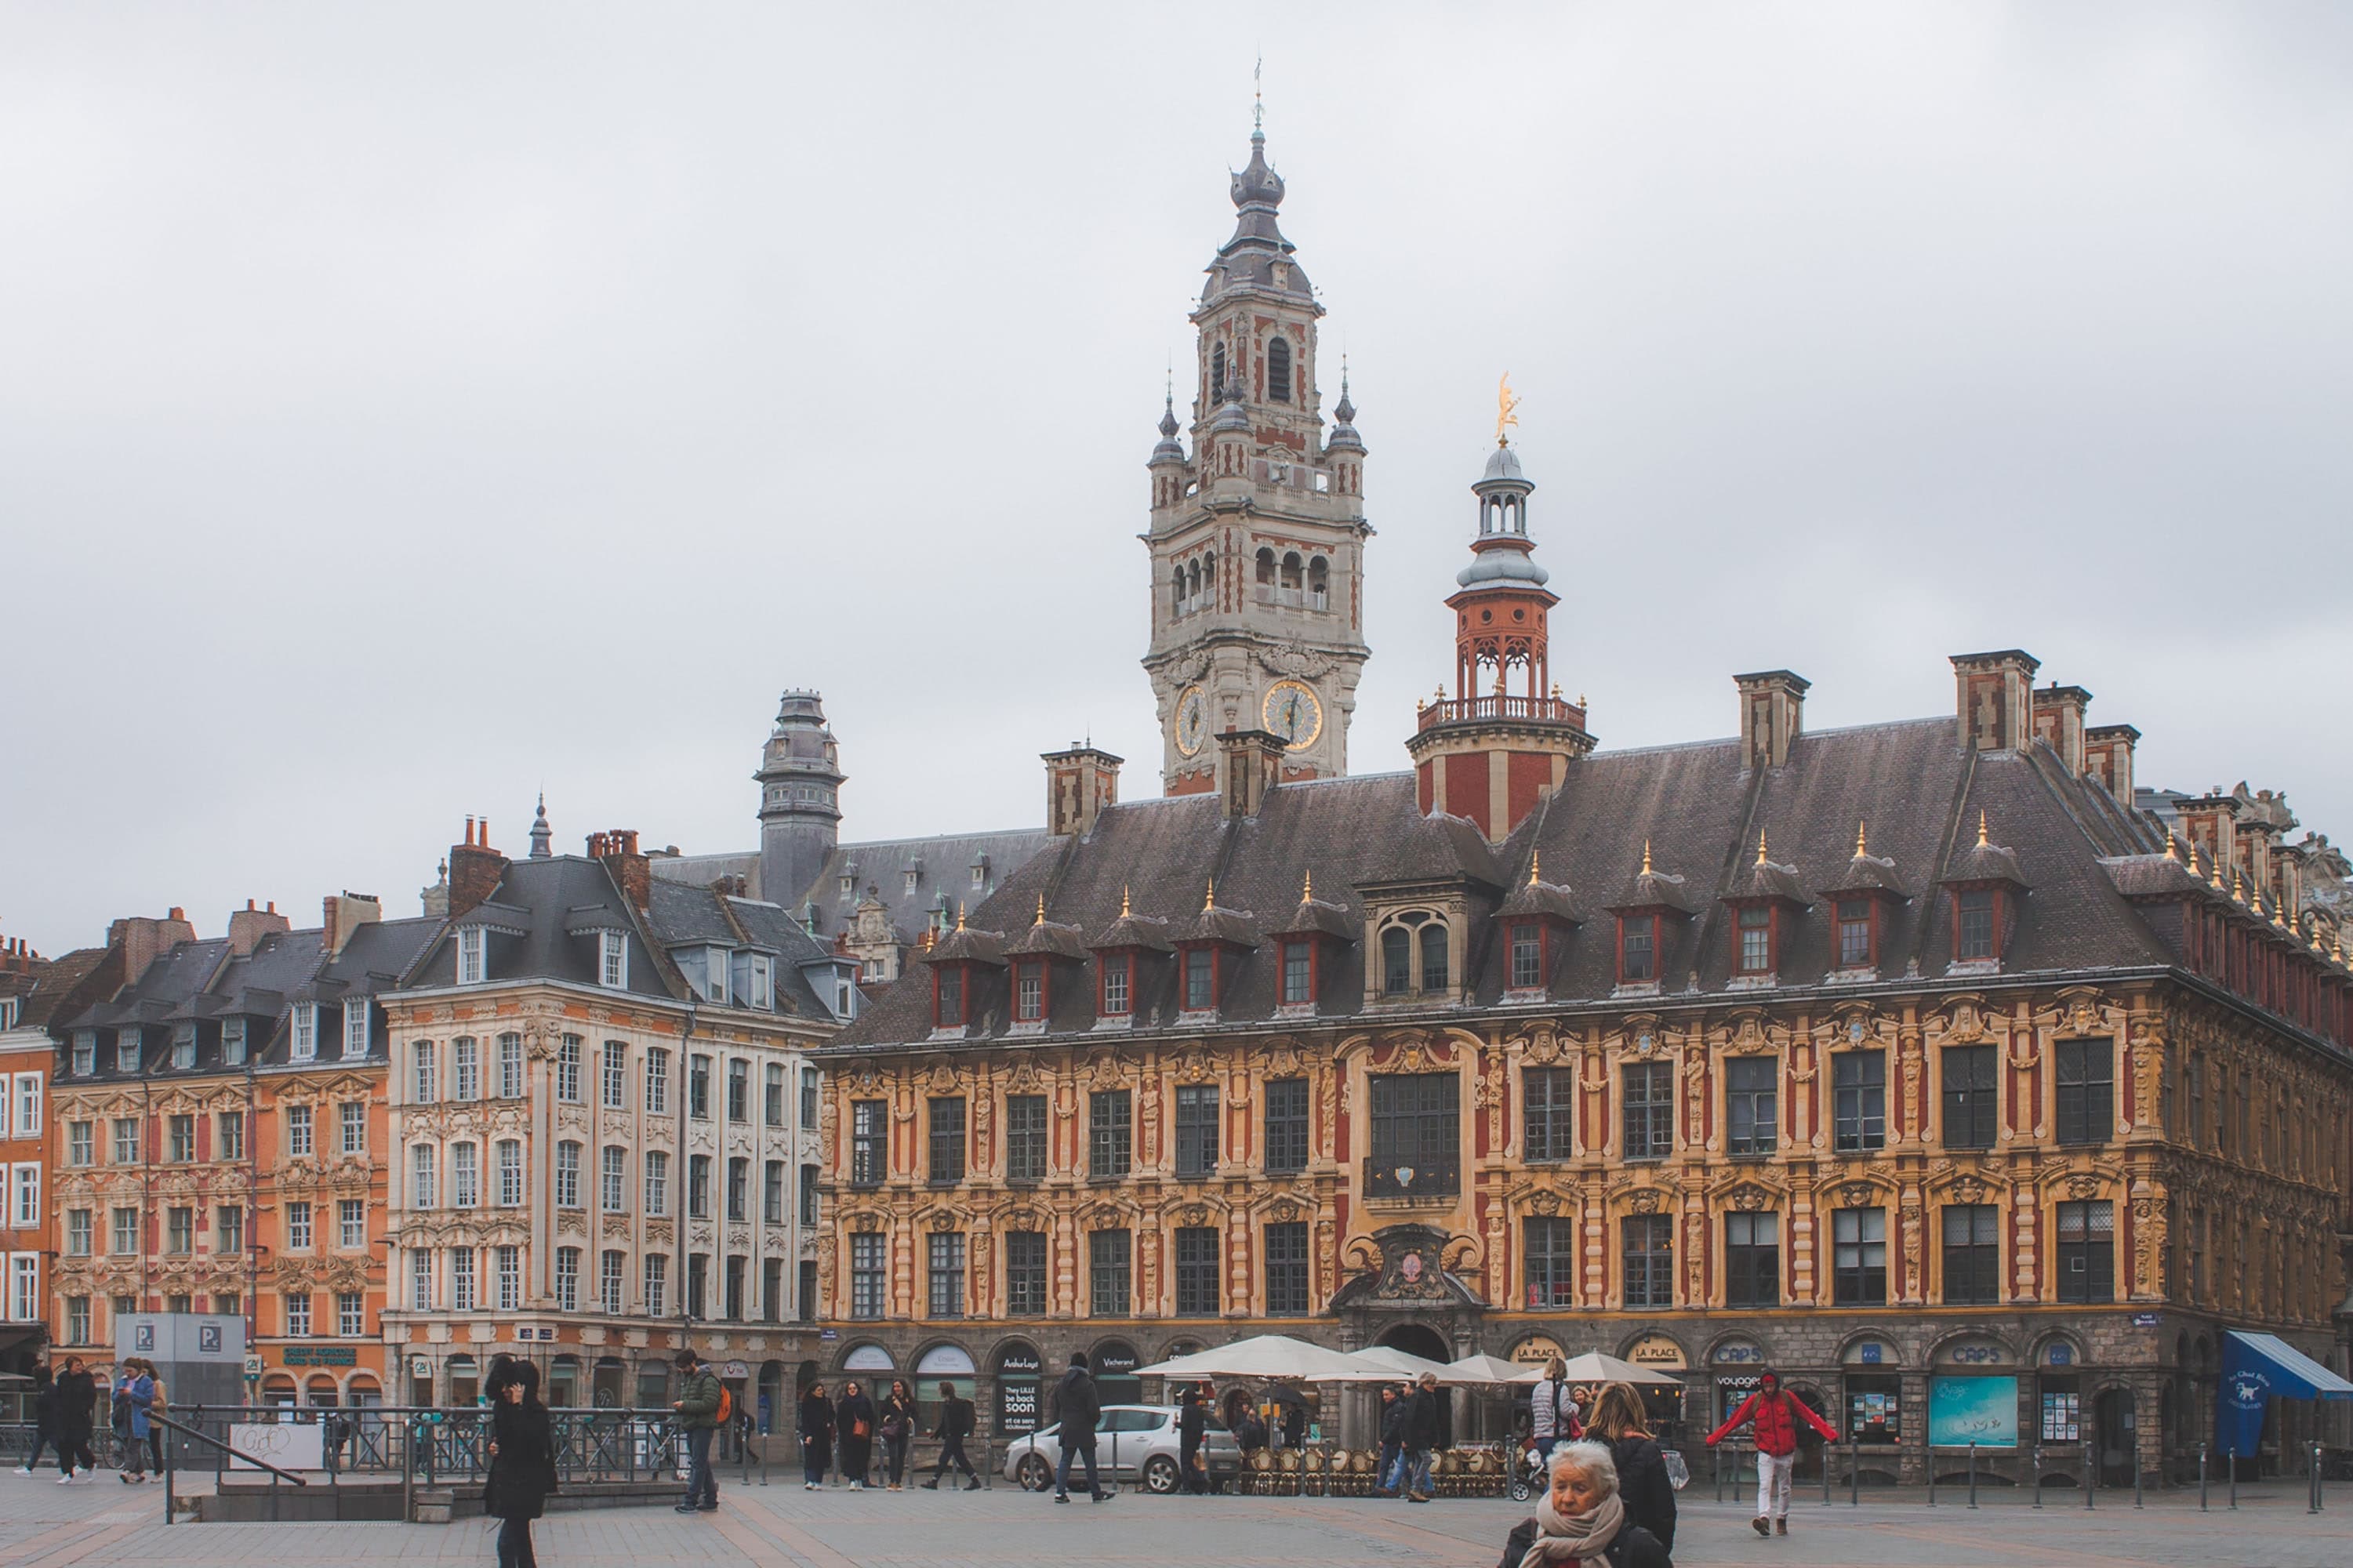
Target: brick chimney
1249	764
248	925
345	913
2108	758
2058	719
1080	783
1772	708
1994	698
144	937
475	868
631	871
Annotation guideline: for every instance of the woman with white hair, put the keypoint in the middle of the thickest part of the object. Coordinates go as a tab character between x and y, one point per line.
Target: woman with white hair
1580	1523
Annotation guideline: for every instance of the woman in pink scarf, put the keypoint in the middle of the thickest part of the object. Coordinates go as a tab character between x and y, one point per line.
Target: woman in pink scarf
1580	1523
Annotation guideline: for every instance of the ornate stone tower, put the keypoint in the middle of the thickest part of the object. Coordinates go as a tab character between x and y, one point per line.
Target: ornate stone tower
1488	752
800	805
1257	539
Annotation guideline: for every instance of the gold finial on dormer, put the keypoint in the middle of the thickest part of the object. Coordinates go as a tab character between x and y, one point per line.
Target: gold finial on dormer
1122	900
1981	829
1209	898
1646	857
2214	871
1042	909
2238	886
1760	847
1861	845
1536	866
1307	888
959	915
1556	692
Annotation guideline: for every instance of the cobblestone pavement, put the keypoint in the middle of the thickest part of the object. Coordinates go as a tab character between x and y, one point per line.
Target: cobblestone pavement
43	1525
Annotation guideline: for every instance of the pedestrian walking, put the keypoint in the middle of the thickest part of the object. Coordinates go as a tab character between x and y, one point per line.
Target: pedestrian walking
957	1422
1580	1521
133	1392
1078	1408
817	1435
1642	1484
898	1429
1396	1410
1777	1412
1421	1437
523	1464
701	1406
854	1429
332	1429
45	1420
1552	1409
77	1416
155	1407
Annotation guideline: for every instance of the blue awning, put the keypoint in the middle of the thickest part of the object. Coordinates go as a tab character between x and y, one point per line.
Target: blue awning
2290	1373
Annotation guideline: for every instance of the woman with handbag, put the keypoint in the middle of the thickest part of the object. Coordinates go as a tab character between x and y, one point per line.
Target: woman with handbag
898	1431
854	1419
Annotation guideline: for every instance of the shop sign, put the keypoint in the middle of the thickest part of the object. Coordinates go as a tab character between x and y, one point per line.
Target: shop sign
322	1356
1537	1349
420	1366
253	1365
1658	1351
1018	1363
1974	1352
2060	1353
1116	1361
1017	1406
734	1370
1740	1352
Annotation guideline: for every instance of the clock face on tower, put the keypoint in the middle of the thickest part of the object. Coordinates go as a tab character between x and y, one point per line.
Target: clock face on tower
1293	712
1192	719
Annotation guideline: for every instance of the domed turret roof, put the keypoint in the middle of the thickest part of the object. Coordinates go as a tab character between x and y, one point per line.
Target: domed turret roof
1502	463
1501	567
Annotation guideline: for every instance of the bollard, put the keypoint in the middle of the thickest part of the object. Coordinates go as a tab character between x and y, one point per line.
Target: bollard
1828	1449
1973	1472
2137	1468
2314	1506
1932	1476
2035	1471
1719	1474
2201	1477
1853	1474
2233	1458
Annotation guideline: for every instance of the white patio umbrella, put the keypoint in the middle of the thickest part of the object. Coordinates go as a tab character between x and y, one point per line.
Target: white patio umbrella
1483	1368
1595	1367
1393	1363
1269	1355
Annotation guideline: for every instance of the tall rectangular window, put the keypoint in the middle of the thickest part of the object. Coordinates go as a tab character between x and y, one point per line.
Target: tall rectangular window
509	1157
698	1086
613	960
772	1095
1972	1254
739	1090
80	1231
698	1186
351	1314
947	996
1550	1094
232	1042
184	1049
1200	979
739	1190
2087	1240
180	1227
870	1132
1108	1126
424	1170
771	1285
124	1241
1115	970
1855	933
613	1178
947	1275
567	1175
772	1192
615	1057
356	1016
1974	933
464	1175
351	1223
1648	1249
1969	1103
1197	1129
127	1046
805	1298
77	1319
1637	949
510	1067
567	1070
298	1142
1196	1271
353	1118
808	1098
809	1197
657	1086
1107	1265
698	1284
657	1284
298	1315
1029	992
1025	1137
180	1137
1286	1269
1528	957
228	1130
1752	1260
421	1279
1755	933
425	1073
1286	1125
464	1283
947	1142
1298	973
1858	1257
866	1262
1650	1110
1025	1273
567	1279
126	1139
82	1141
610	1265
732	1286
2087	1090
471	941
465	1069
302	1019
1551	1247
1417	1126
1751	1102
1858	1100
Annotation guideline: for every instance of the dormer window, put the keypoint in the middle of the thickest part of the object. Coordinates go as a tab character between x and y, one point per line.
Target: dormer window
232	1042
1118	978
1030	991
126	1050
355	1028
1858	935
948	996
1637	949
8	1011
1527	956
714	975
1754	932
1414	959
306	1031
472	940
849	885
1200	980
761	990
85	1052
184	1047
915	880
1977	929
980	872
845	997
612	961
1298	973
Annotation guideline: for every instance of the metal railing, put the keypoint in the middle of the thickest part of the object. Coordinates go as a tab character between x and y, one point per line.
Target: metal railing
1421	1179
433	1445
1456	710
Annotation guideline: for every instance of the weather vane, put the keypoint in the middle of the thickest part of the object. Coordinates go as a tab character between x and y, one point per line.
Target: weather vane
1258	97
1507	408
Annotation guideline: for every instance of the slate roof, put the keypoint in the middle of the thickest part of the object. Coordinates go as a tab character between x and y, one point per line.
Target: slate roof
1698	806
67	985
944	865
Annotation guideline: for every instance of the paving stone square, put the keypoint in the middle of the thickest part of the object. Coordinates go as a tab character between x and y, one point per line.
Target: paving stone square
43	1525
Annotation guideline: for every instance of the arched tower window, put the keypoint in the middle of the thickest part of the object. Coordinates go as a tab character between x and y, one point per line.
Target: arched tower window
1177	590
1278	369
1433	957
1209	571
1290	583
1319	583
1396	962
1217	372
1266	576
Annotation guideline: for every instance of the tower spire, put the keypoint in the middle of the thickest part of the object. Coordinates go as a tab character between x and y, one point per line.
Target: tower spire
540	832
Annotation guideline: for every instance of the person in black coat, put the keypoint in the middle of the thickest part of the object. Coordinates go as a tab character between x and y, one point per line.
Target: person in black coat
1642	1483
523	1462
1192	1425
1580	1519
854	1431
817	1435
1421	1435
76	1415
1397	1406
45	1419
1077	1408
957	1422
897	1419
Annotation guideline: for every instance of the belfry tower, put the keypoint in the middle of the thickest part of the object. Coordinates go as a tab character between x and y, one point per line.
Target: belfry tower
800	799
1489	753
1257	538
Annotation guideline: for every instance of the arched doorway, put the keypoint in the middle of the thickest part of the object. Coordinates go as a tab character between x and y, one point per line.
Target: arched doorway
608	1383
563	1382
1417	1339
2117	1436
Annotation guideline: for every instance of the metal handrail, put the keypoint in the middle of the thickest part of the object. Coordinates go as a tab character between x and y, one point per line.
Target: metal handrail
169	1425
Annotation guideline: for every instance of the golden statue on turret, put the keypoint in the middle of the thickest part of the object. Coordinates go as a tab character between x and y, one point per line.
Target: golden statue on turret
1507	408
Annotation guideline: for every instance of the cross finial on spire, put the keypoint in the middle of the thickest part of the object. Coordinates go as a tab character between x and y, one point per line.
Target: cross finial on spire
1258	99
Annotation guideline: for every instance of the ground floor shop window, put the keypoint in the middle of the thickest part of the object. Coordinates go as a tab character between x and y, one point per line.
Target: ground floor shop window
1874	1408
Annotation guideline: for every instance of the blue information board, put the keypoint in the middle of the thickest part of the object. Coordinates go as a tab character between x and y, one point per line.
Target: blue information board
1981	1410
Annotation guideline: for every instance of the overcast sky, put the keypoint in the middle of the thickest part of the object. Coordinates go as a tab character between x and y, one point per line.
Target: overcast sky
405	408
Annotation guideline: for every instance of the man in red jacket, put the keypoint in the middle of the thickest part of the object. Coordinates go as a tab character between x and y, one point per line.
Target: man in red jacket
1776	1413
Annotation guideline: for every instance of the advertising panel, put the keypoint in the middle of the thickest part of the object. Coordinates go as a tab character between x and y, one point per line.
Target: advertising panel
1981	1410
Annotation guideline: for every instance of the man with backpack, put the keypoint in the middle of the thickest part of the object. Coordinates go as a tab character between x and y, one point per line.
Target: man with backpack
1078	1408
1777	1412
703	1406
957	1422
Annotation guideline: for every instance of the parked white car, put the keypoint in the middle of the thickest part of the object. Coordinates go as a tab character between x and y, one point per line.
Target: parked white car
1132	1443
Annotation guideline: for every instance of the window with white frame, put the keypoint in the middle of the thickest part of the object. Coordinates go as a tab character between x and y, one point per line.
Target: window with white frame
656	1283
567	1279
8	1005
657	1082
617	1081
510	1067
471	942
509	1270
464	1175
77	1319
657	1182
124	1242
232	1042
24	1197
608	1280
352	1126
298	1227
614	1179
465	1070
714	975
356	1013
764	983
424	1174
421	1279
351	1314
350	1223
25	1287
298	1142
463	1279
81	1142
29	1105
126	1050
126	1139
183	1045
85	1052
509	1174
567	1175
305	1024
79	1233
567	1070
613	960
425	1073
